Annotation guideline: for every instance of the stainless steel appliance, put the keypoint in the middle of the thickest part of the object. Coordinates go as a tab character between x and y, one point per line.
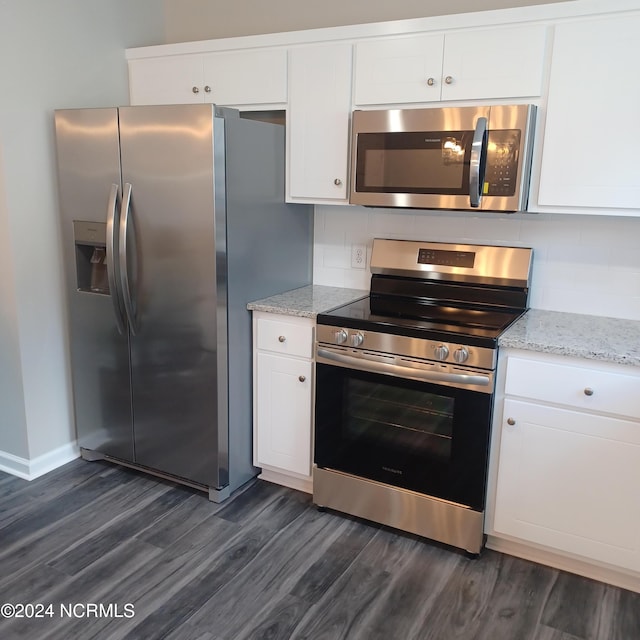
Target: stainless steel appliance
405	383
443	158
173	218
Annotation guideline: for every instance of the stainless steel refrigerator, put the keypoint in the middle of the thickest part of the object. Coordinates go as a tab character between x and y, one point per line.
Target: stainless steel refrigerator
173	219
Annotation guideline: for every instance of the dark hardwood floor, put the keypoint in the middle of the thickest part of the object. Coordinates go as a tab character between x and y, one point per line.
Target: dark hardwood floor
118	554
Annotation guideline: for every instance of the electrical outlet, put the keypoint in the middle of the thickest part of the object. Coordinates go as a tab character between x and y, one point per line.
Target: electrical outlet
358	256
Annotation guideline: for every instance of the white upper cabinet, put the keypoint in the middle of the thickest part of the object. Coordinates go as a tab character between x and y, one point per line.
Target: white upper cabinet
492	63
592	125
398	70
246	77
318	123
166	80
253	77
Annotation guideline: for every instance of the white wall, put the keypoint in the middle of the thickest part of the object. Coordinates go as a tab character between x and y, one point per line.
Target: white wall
13	435
205	19
58	53
582	264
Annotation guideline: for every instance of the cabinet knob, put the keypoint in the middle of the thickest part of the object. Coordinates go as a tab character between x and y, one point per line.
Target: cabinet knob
302	378
431	81
207	89
337	182
281	338
448	80
588	391
511	422
195	90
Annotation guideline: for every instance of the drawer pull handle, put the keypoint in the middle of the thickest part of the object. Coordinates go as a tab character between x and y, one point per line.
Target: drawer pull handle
511	422
588	391
302	378
281	338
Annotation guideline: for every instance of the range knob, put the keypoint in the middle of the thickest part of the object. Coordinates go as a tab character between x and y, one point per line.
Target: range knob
356	339
461	355
441	352
340	336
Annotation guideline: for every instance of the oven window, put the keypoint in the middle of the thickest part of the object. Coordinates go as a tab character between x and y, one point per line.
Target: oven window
398	418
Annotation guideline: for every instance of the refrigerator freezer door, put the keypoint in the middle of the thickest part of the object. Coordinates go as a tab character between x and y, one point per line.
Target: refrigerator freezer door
168	159
88	155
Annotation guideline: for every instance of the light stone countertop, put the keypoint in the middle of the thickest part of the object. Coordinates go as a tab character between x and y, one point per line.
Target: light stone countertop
577	335
307	302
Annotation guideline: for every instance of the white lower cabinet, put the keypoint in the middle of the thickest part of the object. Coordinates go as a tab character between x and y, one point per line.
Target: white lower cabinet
568	469
283	398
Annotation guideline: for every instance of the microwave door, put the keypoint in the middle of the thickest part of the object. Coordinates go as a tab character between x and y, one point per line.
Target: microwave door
460	158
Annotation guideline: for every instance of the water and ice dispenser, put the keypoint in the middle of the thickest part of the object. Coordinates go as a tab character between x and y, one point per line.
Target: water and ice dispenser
90	239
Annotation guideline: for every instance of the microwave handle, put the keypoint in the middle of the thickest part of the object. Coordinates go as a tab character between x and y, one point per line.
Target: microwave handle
478	162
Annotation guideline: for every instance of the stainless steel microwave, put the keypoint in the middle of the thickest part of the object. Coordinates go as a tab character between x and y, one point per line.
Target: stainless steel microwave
476	158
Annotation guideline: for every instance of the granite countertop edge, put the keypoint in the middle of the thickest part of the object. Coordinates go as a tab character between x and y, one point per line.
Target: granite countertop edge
307	301
576	335
573	334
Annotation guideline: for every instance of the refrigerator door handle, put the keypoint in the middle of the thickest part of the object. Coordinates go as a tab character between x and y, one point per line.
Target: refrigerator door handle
125	219
112	252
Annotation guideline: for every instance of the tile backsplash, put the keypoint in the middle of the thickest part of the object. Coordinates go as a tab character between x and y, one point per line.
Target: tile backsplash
581	264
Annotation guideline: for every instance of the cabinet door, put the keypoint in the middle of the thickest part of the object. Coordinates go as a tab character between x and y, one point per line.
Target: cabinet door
283	420
568	480
246	77
494	63
166	80
398	70
592	127
318	123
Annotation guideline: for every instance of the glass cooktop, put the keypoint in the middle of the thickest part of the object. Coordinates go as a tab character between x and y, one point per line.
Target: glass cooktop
479	327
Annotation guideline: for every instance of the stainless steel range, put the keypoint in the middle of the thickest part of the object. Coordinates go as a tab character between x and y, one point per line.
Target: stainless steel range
405	383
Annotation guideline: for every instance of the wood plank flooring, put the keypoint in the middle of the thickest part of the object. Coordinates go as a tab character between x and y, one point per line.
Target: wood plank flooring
164	562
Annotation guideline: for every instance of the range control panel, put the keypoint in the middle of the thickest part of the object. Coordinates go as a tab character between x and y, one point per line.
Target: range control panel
407	346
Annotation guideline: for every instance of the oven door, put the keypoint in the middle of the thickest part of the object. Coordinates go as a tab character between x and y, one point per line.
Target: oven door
429	438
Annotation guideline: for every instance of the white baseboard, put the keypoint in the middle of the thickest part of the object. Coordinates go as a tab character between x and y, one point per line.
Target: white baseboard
32	469
300	483
582	567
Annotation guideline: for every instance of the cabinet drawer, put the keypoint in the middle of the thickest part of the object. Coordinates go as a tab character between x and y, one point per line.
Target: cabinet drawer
586	388
285	337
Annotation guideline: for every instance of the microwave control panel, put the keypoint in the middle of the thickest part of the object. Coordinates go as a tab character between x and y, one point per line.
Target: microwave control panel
501	173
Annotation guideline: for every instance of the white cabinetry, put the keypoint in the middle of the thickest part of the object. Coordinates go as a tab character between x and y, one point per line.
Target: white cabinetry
592	125
568	470
486	64
166	80
253	77
283	398
318	123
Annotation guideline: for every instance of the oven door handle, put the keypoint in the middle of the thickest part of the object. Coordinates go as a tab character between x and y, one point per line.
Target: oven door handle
362	364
